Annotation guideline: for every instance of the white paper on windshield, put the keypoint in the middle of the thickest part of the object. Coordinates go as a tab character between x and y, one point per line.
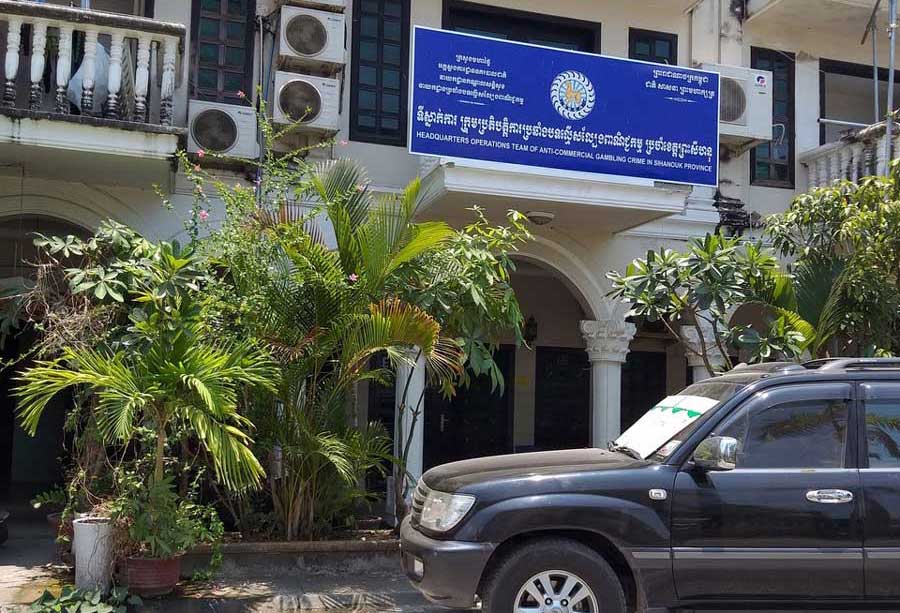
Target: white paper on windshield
662	422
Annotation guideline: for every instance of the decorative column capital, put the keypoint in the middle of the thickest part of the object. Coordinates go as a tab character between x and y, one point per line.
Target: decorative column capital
692	339
607	338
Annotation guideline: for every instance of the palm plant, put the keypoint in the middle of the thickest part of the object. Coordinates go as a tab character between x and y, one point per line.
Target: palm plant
809	299
327	312
166	374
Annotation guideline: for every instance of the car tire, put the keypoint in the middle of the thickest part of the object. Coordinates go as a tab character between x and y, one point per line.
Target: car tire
522	573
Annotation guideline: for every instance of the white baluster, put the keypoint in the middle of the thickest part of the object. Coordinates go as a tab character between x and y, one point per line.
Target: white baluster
834	157
115	75
63	67
857	154
167	89
821	172
38	49
846	154
89	72
11	66
882	161
142	79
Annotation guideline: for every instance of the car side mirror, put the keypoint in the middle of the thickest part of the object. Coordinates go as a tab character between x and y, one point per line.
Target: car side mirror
716	453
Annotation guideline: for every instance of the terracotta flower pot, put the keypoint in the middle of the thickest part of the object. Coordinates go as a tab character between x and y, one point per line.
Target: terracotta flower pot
149	577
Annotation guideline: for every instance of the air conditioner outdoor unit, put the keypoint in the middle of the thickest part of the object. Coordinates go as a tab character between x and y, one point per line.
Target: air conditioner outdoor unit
745	105
222	128
311	102
311	38
325	5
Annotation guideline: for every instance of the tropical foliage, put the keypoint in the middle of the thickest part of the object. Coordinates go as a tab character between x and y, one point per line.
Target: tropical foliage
704	285
844	241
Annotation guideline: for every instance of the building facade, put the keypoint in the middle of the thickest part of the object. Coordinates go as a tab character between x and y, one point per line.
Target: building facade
96	100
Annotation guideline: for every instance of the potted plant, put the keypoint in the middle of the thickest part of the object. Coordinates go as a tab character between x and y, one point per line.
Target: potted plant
159	527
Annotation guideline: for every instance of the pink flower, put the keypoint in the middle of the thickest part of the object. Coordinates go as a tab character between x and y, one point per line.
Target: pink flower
203	214
200	153
241	94
353	278
342	142
196	167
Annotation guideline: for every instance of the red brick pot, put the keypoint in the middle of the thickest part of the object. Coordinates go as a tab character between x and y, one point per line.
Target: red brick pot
149	577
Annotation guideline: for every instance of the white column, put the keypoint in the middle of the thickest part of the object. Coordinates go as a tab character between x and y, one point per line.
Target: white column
692	338
11	64
409	410
606	340
38	49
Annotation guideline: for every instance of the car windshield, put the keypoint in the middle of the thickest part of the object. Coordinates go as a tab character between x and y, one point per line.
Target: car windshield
659	432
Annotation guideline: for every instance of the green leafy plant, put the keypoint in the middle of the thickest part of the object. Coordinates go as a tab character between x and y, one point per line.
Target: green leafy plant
703	285
55	498
167	374
159	523
846	250
72	600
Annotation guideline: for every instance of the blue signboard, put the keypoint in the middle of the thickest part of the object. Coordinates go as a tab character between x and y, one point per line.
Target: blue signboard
492	100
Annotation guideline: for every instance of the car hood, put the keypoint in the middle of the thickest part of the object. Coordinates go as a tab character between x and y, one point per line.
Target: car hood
461	475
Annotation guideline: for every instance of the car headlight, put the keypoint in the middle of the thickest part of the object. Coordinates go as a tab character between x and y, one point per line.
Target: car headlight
442	511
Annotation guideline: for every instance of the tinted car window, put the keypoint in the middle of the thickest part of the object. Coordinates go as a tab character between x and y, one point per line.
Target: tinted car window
883	432
802	434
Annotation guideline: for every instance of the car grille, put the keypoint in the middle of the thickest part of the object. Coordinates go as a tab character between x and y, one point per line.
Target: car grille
418	502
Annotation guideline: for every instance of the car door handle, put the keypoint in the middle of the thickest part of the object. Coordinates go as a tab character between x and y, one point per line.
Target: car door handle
829	496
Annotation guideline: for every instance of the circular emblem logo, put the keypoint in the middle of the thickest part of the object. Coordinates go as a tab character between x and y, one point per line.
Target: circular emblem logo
572	95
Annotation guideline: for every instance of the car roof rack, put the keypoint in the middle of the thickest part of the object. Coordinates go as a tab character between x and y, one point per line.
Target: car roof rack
766	367
852	363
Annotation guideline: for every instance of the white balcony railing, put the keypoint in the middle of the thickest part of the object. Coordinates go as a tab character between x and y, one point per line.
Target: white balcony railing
127	72
858	154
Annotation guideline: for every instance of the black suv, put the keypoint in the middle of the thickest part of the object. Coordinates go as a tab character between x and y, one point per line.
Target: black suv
769	485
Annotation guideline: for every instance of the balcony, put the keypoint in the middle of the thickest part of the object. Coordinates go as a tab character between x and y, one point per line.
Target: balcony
857	154
817	22
80	81
604	205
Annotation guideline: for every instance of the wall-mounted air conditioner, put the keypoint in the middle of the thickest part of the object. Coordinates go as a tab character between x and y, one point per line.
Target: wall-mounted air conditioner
325	5
745	105
312	102
311	38
222	128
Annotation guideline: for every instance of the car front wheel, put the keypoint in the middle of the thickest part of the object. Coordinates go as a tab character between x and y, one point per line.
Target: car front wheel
553	576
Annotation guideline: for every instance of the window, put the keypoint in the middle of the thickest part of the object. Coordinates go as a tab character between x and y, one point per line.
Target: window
772	163
223	45
799	434
380	60
659	47
883	433
520	26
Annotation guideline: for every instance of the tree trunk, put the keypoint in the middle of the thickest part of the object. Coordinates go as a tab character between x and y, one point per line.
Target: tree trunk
159	470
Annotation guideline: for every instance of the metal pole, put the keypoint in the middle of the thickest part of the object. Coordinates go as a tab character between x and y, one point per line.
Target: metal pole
875	71
889	123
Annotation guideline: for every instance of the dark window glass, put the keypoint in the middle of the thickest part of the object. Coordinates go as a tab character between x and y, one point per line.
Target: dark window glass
802	434
524	27
649	46
883	433
380	56
773	165
209	28
223	40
